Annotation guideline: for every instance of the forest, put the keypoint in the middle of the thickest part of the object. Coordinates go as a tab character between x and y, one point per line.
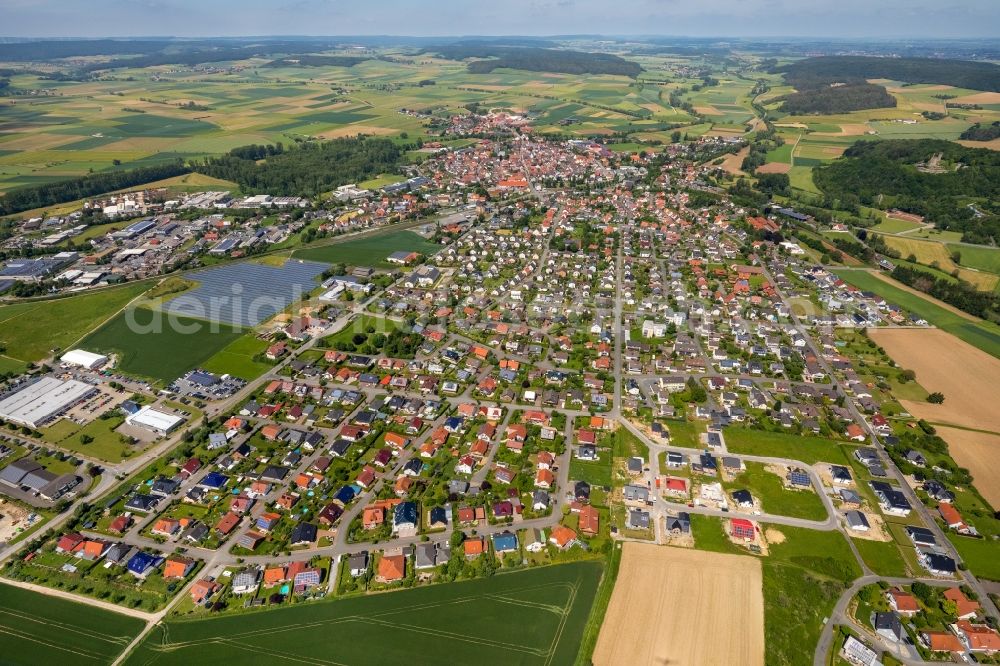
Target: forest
979	132
305	170
839	84
824	70
38	196
828	100
537	60
889	168
317	61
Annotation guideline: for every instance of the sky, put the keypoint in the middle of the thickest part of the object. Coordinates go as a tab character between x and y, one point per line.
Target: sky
737	18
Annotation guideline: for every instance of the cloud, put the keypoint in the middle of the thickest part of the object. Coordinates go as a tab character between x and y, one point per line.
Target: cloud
819	18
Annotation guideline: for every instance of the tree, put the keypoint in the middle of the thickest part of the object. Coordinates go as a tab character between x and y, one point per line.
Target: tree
936	398
922	591
86	439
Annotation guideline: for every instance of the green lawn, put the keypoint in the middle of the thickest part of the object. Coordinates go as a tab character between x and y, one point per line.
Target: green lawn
536	616
891	225
106	444
984	335
774	497
979	555
368	251
30	330
597	473
164	353
237	358
882	557
809	450
39	629
360	325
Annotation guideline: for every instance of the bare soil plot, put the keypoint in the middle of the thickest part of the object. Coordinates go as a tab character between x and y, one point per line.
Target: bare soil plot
977	452
847	129
964	374
708	110
12	516
733	162
775	167
669	603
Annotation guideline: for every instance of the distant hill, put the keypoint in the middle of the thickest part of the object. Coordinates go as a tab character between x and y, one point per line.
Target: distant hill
536	59
318	61
839	84
824	70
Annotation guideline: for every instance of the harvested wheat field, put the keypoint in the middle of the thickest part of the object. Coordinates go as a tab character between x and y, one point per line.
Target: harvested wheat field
733	162
977	452
965	375
669	604
978	98
775	167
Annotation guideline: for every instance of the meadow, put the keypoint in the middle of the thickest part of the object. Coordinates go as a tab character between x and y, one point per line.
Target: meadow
809	450
40	629
526	617
369	251
30	330
165	352
237	358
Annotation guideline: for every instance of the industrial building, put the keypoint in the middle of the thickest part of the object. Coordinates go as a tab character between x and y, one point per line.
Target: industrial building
42	401
84	359
29	475
159	422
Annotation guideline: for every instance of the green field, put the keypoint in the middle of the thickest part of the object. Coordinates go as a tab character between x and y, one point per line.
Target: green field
891	225
882	557
596	473
106	444
774	497
979	257
809	450
40	629
527	617
31	330
237	358
984	335
163	354
369	251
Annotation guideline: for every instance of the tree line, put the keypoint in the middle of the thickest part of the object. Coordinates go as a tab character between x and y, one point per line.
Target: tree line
48	194
533	59
305	170
965	297
824	70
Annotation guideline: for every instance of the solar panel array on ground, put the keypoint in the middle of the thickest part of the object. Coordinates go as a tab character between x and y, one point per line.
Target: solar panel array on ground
246	294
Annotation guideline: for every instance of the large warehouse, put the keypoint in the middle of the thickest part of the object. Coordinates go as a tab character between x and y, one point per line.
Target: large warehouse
159	422
84	359
39	403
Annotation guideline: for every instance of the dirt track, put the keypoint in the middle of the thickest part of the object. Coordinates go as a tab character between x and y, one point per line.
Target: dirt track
676	606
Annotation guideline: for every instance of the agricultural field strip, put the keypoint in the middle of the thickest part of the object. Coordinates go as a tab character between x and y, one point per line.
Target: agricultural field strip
505	598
